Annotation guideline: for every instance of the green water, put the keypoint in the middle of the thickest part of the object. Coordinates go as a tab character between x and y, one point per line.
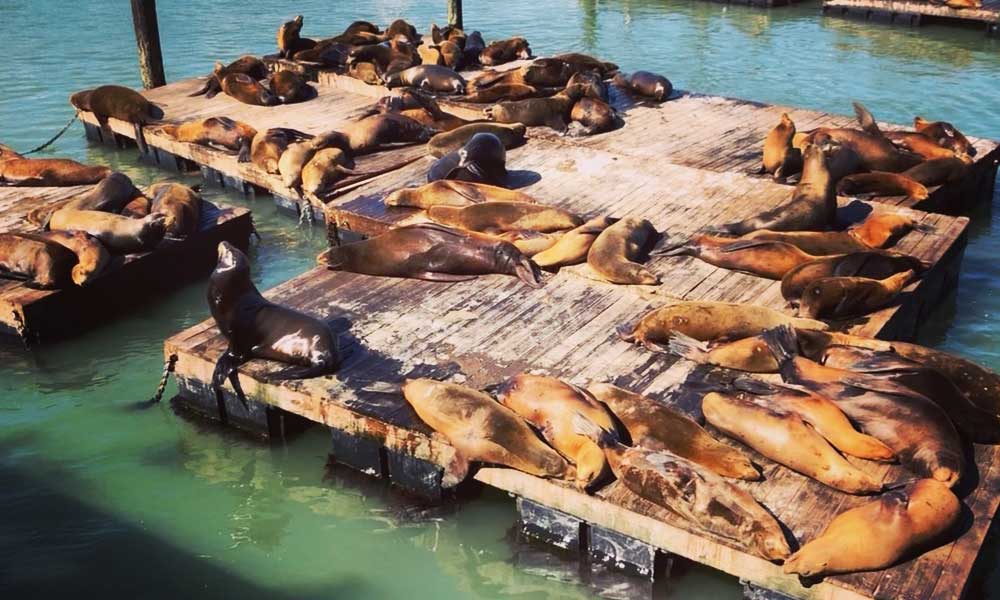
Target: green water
98	498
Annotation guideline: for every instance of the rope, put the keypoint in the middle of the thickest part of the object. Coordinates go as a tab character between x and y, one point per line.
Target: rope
76	115
22	330
168	368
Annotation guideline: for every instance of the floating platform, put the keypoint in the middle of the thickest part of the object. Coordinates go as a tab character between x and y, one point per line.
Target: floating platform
914	13
45	314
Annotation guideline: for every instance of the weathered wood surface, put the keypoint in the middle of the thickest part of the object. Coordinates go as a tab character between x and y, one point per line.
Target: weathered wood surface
989	13
48	313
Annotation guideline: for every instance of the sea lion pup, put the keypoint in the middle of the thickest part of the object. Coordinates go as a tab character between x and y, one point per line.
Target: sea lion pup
215	131
483	159
763	258
645	84
917	430
871	264
938	171
433	78
432	252
290	87
944	134
499	217
248	65
180	206
781	158
706	321
786	439
549	405
247	90
91	255
504	51
269	144
846	297
324	170
298	155
120	235
660	428
447	192
813	206
613	254
703	499
590	116
119	102
370	133
289	40
258	328
481	430
900	523
573	246
536	112
880	183
17	170
510	134
40	263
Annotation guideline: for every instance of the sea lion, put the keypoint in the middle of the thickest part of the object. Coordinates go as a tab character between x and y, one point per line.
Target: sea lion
248	65
15	169
247	90
530	242
474	46
646	84
872	264
480	429
504	92
400	27
332	54
498	217
542	73
613	254
550	112
290	87
938	171
511	135
915	428
324	170
447	192
880	183
395	54
781	158
813	206
452	54
504	51
584	62
706	321
590	116
660	428
120	235
138	208
364	71
483	159
877	153
902	521
749	354
362	27
432	252
919	144
573	246
370	133
786	439
703	499
763	258
258	328
111	195
430	55
268	146
297	155
41	264
180	207
289	40
589	85
550	405
877	231
215	131
91	255
433	78
845	297
119	102
945	134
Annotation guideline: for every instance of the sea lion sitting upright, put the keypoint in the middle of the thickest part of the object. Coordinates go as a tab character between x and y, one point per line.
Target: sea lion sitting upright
215	131
781	158
504	51
871	263
257	328
511	135
122	103
613	254
41	263
120	235
289	40
289	87
248	65
15	169
646	84
903	521
448	192
573	246
247	90
180	206
500	217
483	159
433	78
763	258
269	144
944	134
844	297
91	255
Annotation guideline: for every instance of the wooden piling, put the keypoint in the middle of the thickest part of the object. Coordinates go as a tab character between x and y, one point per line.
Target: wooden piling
455	13
147	40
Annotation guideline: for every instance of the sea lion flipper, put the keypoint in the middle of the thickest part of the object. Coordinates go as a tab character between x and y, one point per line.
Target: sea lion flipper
879	385
140	138
687	347
442	277
744	244
866	120
456	471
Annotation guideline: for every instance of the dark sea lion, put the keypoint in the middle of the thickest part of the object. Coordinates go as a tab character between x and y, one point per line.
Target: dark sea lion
645	84
447	192
40	263
872	264
550	406
613	254
589	84
372	132
324	170
118	102
481	430
877	153
703	499
452	54
938	171
91	255
845	297
362	27
502	92
180	207
583	62
553	111
784	437
501	216
903	522
590	116
289	40
18	170
504	51
269	144
474	46
510	134
215	131
763	258
880	183
329	55
138	208
433	78
573	246
657	427
944	134
432	252
290	87
483	159
781	158
257	328
914	427
401	27
247	90
120	235
248	65
395	54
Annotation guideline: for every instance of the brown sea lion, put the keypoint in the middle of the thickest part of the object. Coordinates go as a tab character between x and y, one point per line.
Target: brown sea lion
583	62
297	155
18	170
872	264
433	78
400	27
658	427
119	102
120	235
432	252
480	429
180	207
542	73
845	297
573	246
112	195
430	55
646	84
749	354
138	208
511	134
589	85
944	134
877	153
550	406
248	65
938	171
530	242
269	144
763	258
290	87
505	92
91	255
915	428
247	90
483	159
880	183
370	133
878	231
498	217
553	111
590	116
395	54
40	263
324	170
919	144
703	499
504	51
785	438
902	521
289	40
613	254
781	158
447	192
329	55
215	131
365	71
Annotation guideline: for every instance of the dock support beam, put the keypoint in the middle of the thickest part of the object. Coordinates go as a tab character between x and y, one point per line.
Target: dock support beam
147	40
455	13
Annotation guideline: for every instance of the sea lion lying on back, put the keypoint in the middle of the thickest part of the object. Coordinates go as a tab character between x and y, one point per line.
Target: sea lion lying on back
122	103
447	192
18	170
42	264
215	131
248	65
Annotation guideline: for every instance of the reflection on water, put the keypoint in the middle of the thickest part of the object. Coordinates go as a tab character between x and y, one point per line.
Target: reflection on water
89	487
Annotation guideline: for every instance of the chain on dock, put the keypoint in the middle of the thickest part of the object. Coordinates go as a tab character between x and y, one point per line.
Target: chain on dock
168	368
305	213
76	115
22	329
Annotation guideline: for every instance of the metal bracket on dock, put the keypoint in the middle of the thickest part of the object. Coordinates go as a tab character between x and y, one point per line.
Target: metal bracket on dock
752	592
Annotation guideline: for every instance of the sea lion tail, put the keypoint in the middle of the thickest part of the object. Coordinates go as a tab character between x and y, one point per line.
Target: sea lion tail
865	119
682	249
782	343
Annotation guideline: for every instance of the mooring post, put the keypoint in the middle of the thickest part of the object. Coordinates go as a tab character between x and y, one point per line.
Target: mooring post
147	39
455	13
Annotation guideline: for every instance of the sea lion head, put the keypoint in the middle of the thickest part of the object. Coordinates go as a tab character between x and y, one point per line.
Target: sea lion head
484	155
509	260
523	48
81	100
231	259
154	227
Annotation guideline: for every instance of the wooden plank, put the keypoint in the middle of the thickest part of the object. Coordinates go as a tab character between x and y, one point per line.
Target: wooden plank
988	13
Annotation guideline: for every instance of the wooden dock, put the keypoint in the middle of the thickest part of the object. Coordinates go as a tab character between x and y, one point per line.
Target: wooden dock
914	13
47	314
